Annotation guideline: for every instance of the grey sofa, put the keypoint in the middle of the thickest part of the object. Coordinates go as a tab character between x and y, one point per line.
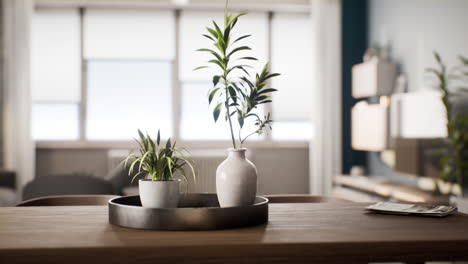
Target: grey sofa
66	185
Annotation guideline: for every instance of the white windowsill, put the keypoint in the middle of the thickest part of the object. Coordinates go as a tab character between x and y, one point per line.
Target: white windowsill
293	6
186	144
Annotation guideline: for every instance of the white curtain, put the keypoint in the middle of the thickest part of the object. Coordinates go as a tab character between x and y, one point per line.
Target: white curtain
18	146
325	147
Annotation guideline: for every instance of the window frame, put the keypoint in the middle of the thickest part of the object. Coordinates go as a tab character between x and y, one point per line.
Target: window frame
176	92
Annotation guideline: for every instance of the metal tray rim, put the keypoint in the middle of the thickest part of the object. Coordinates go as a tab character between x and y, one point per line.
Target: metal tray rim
134	207
204	215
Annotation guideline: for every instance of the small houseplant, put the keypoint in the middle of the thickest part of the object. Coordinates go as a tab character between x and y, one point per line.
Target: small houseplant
158	163
236	99
454	160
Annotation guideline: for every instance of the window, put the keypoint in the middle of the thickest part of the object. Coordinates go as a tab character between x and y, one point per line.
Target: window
126	95
55	121
56	71
100	74
292	48
129	56
129	34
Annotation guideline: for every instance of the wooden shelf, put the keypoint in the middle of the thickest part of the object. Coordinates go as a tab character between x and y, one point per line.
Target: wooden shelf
356	196
388	190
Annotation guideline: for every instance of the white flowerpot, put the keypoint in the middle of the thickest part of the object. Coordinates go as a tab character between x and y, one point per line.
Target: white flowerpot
236	180
159	194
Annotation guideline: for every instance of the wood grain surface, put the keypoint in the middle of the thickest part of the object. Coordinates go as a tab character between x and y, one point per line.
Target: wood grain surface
296	233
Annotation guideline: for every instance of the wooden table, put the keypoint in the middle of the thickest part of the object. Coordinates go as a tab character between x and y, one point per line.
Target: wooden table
296	233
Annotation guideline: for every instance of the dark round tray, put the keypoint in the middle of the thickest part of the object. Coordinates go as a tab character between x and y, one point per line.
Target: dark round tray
197	211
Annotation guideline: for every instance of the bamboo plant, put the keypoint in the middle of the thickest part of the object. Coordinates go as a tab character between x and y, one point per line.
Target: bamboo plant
454	160
160	162
236	97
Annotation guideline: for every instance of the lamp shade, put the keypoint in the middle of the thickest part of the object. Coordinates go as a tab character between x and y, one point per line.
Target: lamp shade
373	78
418	115
369	127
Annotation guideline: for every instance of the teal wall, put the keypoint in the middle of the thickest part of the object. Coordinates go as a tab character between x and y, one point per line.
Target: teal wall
354	44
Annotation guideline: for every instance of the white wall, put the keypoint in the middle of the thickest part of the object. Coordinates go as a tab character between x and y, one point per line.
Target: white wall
415	28
1	89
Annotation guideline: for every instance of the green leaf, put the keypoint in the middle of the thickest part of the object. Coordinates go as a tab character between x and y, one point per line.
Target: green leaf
227	17
241	38
220	48
248	58
143	140
240	119
124	163
264	72
264	102
240	67
140	134
221	45
220	64
269	90
216	80
247	81
214	53
190	165
220	38
151	142
236	87
234	19
234	22
208	37
158	138
238	49
212	94
143	158
463	60
169	165
232	93
212	32
205	50
130	170
201	67
437	57
253	114
168	144
218	30
217	111
270	76
136	175
227	32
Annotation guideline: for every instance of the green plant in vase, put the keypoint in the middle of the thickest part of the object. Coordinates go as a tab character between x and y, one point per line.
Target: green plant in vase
158	163
454	160
236	98
236	95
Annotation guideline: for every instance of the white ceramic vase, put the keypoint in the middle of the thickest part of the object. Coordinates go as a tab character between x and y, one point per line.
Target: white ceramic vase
236	180
159	194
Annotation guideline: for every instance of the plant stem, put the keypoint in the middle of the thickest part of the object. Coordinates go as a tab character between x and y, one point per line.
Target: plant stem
227	110
242	141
